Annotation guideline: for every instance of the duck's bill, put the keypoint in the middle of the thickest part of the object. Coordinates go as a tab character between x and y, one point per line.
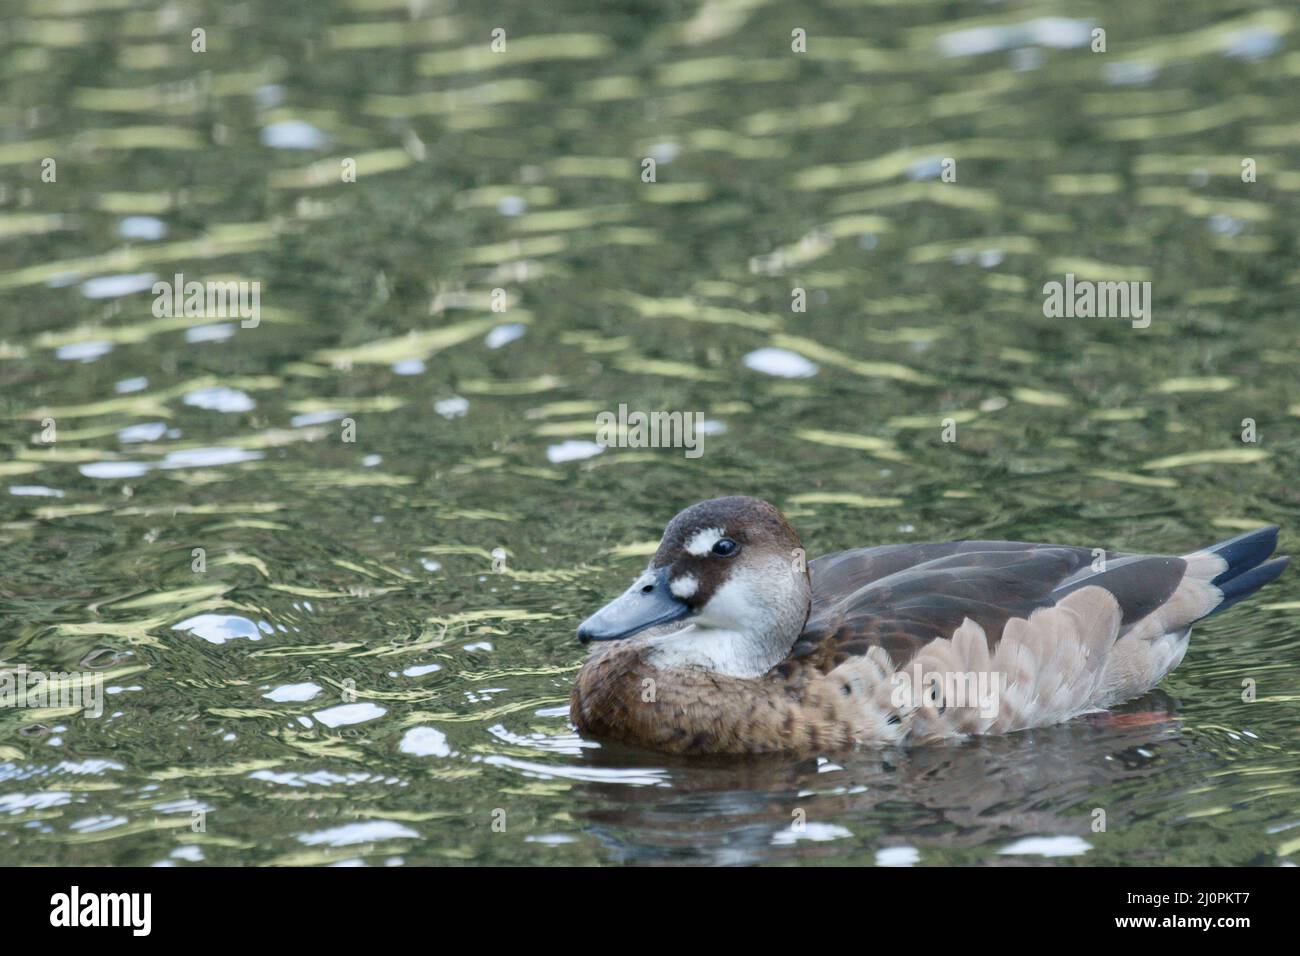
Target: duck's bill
647	603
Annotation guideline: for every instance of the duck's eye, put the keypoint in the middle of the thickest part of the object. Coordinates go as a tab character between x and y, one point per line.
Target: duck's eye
725	547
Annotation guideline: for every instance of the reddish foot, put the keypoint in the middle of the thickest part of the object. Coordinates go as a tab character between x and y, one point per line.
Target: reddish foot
1142	718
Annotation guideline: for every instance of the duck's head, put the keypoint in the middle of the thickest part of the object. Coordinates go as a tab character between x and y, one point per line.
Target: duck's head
727	589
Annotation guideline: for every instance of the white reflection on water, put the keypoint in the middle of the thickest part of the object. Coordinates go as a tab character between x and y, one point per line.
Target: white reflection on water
128	385
219	628
780	362
346	714
95	824
220	398
503	335
453	407
293	134
293	692
1130	72
18	802
898	856
142	227
145	431
114	287
187	458
83	351
1253	43
1058	32
38	491
1050	846
322	778
316	418
816	832
570	744
214	332
92	766
572	450
512	206
114	469
353	833
419	670
636	777
425	742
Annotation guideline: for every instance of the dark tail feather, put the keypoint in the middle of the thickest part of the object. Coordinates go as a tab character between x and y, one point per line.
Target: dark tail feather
1248	568
1247	583
1244	552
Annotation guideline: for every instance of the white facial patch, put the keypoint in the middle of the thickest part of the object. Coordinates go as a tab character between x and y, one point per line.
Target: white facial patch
702	542
684	587
743	603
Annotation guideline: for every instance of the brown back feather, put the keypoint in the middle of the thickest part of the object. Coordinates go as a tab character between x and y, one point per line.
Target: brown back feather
901	597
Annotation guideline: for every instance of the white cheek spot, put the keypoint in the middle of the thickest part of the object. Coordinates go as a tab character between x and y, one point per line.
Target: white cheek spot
702	542
684	587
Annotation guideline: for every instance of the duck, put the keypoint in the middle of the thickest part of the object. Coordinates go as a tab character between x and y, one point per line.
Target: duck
732	642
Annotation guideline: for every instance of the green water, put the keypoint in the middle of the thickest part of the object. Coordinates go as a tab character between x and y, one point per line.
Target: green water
357	566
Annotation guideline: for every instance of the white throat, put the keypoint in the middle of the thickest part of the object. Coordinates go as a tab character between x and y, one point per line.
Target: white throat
712	649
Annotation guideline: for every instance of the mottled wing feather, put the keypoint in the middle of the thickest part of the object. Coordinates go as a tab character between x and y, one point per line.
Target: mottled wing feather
902	597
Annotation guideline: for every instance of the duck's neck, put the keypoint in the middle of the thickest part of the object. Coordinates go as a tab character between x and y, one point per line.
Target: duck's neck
712	649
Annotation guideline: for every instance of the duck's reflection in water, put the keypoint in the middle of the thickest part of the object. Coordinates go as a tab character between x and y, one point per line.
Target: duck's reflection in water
966	799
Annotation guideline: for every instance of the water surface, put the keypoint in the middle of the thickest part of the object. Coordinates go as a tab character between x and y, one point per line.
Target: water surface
354	676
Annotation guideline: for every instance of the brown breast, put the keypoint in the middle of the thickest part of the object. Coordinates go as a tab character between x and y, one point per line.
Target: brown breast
618	696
